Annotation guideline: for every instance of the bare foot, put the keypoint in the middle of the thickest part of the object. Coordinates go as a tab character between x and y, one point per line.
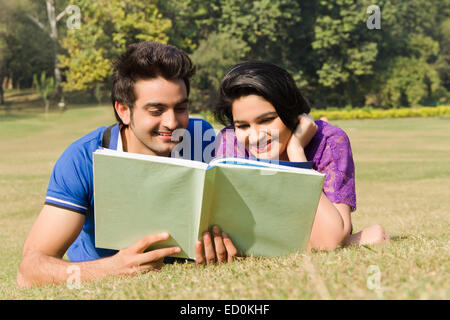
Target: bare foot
371	235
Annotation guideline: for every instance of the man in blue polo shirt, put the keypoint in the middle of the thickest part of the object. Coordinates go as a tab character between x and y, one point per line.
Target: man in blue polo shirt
150	97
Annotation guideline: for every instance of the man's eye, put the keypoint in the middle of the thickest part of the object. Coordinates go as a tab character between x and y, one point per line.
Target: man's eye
155	112
181	109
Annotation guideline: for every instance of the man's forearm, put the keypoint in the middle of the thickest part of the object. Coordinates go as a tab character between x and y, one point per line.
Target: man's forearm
39	269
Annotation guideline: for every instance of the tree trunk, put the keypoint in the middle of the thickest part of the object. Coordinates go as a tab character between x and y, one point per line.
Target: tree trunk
2	98
52	19
47	107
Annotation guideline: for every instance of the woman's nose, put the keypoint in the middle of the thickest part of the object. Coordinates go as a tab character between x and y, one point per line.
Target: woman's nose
256	135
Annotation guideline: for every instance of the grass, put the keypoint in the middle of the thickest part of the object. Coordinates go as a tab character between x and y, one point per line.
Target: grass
403	183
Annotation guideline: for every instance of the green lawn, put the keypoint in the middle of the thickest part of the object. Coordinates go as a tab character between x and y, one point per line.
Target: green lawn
403	183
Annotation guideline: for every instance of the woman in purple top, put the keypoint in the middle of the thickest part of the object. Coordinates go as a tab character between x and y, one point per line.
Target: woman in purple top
267	118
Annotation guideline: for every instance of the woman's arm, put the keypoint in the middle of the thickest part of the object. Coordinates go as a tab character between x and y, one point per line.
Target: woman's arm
332	223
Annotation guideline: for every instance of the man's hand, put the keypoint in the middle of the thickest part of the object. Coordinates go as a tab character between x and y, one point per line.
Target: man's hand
218	248
134	258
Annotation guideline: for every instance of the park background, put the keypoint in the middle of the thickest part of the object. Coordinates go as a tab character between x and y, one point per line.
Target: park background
388	88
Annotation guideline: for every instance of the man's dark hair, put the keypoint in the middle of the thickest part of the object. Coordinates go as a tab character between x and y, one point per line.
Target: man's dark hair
264	79
147	60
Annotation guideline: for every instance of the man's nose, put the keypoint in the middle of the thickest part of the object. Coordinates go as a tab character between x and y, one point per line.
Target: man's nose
169	120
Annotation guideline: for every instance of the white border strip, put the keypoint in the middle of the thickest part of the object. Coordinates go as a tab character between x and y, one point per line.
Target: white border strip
66	202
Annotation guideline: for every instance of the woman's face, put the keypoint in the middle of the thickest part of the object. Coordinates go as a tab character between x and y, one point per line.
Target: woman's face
259	128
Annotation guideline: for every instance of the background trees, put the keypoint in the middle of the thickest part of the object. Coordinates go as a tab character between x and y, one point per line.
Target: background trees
334	58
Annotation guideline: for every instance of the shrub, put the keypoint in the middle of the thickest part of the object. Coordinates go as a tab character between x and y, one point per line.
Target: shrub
370	113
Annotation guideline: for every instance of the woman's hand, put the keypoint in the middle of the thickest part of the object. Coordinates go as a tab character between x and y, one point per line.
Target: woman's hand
218	248
302	135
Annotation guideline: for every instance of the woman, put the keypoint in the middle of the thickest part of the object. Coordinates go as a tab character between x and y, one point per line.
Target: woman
267	118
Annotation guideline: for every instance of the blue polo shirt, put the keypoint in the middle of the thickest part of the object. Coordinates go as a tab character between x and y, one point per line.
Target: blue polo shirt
71	184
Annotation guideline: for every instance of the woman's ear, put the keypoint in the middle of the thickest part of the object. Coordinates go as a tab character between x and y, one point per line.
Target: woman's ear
124	112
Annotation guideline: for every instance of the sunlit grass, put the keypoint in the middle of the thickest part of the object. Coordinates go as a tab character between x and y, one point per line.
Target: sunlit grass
403	183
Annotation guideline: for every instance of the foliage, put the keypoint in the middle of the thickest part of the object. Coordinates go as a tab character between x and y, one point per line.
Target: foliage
25	49
213	57
45	86
107	28
326	45
371	113
191	21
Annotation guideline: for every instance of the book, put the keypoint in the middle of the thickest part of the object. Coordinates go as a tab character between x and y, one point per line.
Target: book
266	208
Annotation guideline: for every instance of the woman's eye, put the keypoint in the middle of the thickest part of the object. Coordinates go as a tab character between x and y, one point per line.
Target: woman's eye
242	126
267	120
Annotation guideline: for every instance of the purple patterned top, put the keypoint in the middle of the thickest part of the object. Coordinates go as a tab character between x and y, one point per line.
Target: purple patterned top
329	150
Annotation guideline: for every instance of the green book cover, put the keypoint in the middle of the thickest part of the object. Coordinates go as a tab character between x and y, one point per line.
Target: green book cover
266	209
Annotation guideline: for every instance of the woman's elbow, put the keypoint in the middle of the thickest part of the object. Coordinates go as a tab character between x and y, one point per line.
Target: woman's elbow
333	241
332	244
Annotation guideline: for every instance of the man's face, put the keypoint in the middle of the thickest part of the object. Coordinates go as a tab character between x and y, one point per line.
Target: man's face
161	107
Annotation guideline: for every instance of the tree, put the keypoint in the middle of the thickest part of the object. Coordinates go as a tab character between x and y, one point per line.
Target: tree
52	31
213	57
443	61
268	27
45	87
25	49
409	51
107	28
344	50
192	21
412	79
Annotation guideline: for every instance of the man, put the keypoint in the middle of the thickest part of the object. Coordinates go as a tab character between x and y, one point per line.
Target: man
150	97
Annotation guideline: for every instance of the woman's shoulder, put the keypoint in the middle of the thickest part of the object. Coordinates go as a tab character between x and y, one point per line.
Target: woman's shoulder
227	130
328	136
330	132
330	144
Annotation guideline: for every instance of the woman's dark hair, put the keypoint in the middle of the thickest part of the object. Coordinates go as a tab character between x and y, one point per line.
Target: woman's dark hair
264	79
147	60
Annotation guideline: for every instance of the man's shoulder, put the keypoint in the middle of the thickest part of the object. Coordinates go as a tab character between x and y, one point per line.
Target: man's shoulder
193	122
86	145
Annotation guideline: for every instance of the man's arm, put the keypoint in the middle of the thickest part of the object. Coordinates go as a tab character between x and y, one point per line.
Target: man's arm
55	230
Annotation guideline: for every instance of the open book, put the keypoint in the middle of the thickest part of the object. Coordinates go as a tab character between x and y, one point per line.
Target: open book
265	208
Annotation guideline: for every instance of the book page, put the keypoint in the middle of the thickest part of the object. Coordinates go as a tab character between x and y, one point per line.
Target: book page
276	165
137	197
139	156
265	214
